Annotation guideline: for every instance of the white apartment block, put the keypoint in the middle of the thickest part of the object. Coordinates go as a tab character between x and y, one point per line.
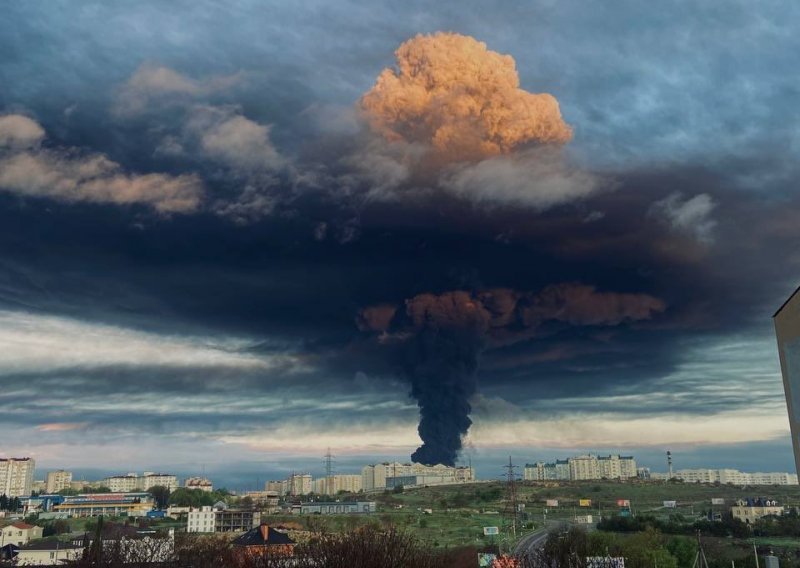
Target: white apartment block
16	476
336	483
202	520
132	482
279	487
299	484
582	468
374	476
58	480
150	479
730	476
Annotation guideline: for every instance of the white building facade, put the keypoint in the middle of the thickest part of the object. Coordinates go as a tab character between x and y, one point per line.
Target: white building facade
16	476
58	480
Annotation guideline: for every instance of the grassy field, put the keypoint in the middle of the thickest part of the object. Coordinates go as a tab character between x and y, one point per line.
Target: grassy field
459	513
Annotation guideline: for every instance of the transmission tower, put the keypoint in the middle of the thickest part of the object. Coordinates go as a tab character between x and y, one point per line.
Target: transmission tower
511	511
329	472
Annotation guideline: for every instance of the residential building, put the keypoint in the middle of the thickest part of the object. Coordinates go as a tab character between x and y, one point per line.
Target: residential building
50	552
19	534
375	476
336	483
202	520
222	520
299	484
337	508
729	476
279	487
151	479
58	480
123	483
264	499
114	504
263	540
787	331
200	483
750	510
583	467
16	476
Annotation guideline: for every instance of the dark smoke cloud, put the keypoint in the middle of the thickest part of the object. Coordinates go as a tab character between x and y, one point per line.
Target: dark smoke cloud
442	337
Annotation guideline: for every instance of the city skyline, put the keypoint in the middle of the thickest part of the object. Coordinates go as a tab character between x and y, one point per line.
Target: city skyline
237	250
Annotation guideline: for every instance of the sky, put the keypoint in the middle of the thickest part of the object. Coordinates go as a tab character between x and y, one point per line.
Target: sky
232	237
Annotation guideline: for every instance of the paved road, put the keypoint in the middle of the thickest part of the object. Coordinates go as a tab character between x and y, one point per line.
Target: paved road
530	542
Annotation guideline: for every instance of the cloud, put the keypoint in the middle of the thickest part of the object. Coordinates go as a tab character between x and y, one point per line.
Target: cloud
17	131
158	84
691	216
227	137
539	179
464	100
69	175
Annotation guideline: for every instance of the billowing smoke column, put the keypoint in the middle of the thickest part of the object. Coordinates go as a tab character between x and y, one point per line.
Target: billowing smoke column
442	336
463	100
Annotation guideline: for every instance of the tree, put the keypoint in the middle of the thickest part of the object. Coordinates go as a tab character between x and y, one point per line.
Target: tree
160	495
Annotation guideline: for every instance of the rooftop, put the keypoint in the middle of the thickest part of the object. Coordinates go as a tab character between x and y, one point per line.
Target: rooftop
263	535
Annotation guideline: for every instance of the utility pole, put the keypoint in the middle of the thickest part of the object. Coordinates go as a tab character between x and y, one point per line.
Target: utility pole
512	509
700	558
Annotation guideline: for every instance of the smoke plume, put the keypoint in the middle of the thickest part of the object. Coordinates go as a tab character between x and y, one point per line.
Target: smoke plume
442	337
452	93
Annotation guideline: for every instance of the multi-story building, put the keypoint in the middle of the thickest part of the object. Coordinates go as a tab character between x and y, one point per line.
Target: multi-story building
151	479
16	476
750	510
122	483
730	476
48	553
299	484
787	331
584	467
377	476
336	483
58	480
222	520
279	487
133	482
200	483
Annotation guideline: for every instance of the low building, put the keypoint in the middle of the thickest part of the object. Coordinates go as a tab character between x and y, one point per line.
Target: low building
113	504
264	499
201	483
48	553
263	540
19	534
58	480
750	510
345	508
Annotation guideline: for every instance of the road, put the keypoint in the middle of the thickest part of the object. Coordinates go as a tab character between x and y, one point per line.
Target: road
530	542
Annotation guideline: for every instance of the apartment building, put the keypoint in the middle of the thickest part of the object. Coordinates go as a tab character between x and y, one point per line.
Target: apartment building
58	480
336	483
299	484
730	476
220	519
378	476
582	468
133	482
16	476
750	510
